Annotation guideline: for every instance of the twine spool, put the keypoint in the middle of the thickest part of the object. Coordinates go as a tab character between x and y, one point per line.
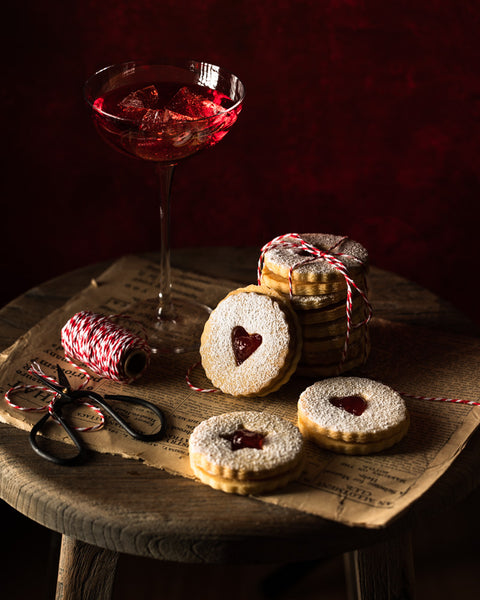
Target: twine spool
105	347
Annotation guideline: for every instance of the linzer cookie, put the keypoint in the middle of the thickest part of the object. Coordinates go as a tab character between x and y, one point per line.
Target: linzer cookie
251	343
284	259
322	275
323	307
352	415
301	288
331	327
246	452
313	355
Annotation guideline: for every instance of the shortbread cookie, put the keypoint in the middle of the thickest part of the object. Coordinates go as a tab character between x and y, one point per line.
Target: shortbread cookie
320	309
246	452
251	342
322	302
334	342
280	259
333	327
352	415
332	363
358	350
323	357
303	288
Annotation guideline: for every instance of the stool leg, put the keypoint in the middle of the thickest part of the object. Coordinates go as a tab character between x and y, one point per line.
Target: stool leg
381	572
85	572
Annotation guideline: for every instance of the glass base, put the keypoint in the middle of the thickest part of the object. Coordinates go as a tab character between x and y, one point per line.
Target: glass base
172	336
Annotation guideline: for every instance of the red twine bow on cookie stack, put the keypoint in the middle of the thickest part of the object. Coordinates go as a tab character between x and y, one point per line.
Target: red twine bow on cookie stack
103	346
35	368
294	240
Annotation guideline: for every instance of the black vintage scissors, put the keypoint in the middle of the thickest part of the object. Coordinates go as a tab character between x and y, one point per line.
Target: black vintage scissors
66	396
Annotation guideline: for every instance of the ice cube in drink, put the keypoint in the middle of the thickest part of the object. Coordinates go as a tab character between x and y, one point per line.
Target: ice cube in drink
157	120
191	104
164	130
136	103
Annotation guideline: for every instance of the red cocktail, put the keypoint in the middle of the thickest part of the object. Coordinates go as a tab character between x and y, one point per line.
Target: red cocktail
170	122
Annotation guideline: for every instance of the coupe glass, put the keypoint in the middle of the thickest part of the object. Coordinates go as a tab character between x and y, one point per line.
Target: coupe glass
164	113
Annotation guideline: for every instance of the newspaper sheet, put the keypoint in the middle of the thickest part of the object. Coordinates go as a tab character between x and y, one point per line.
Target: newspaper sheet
365	491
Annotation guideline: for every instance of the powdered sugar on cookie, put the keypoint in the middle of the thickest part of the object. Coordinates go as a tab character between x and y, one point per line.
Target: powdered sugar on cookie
281	447
281	259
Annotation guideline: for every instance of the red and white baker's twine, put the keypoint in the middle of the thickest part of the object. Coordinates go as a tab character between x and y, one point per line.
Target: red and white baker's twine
195	388
294	240
102	345
436	399
35	368
412	396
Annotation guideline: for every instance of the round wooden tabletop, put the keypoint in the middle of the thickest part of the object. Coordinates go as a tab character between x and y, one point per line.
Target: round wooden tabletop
124	506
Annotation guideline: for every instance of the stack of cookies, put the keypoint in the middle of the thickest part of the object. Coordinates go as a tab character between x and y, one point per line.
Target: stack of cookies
318	296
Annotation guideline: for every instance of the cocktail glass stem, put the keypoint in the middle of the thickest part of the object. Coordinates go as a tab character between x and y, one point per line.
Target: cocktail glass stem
166	309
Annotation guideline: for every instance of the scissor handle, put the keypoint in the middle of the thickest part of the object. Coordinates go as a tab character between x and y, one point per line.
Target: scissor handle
72	460
144	437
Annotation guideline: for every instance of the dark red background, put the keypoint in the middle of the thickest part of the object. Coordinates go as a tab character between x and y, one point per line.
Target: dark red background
361	118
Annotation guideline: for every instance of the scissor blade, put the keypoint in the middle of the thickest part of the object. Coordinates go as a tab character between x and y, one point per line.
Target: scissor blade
43	378
62	378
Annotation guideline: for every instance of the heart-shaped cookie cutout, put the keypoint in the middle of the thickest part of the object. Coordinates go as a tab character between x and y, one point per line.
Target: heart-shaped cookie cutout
244	344
355	405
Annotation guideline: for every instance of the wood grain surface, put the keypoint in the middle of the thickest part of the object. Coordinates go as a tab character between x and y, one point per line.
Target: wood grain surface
124	506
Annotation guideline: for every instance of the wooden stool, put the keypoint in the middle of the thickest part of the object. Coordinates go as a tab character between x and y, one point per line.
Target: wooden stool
113	505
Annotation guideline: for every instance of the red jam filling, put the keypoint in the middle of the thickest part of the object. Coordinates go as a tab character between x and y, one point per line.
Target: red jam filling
243	438
352	404
244	344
